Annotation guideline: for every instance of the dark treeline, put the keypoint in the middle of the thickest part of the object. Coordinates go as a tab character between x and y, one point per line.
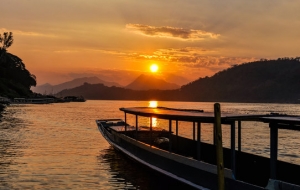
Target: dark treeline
15	79
102	92
260	81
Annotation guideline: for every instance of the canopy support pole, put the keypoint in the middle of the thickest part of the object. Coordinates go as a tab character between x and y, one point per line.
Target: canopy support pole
125	121
273	149
233	148
151	131
170	135
194	130
219	148
136	127
198	140
239	136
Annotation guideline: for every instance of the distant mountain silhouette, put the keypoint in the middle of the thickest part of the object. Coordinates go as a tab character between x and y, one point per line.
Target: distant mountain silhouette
259	81
150	82
53	89
101	92
176	79
264	81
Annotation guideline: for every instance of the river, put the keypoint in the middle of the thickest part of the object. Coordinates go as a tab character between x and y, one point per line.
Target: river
58	146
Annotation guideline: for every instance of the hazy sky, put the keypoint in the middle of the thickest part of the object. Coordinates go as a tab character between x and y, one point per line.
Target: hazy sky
117	39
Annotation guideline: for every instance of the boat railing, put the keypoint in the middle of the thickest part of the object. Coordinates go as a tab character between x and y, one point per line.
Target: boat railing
275	121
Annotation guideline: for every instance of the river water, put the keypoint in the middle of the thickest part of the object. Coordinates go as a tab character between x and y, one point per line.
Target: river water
58	146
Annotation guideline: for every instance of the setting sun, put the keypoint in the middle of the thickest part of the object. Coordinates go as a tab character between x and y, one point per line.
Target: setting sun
154	68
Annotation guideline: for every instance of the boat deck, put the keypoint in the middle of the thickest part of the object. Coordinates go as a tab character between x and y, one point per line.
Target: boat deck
243	165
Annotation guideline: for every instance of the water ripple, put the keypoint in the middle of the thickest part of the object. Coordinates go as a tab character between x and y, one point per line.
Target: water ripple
58	146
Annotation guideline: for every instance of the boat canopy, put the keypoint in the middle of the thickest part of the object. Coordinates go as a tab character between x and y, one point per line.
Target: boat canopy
190	114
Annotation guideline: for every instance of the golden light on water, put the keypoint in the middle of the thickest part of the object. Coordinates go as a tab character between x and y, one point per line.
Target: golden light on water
154	122
152	104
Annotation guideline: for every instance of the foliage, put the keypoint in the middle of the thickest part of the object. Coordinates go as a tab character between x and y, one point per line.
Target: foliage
6	40
15	79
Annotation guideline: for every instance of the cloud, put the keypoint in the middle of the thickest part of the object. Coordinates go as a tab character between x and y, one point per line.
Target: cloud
172	32
66	51
81	50
192	57
213	62
23	33
187	58
111	52
172	54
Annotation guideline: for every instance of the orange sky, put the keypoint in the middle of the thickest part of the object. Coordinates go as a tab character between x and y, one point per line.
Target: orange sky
118	40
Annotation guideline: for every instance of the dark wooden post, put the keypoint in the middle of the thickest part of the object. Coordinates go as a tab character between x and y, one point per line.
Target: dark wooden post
239	136
232	145
151	140
177	135
176	127
125	121
214	136
219	148
198	140
273	149
136	127
170	135
194	130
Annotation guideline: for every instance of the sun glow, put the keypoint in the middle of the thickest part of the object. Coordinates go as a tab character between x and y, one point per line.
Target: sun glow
152	104
154	68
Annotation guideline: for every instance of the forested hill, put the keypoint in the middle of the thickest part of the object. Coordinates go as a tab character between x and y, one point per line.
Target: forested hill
266	81
102	92
260	81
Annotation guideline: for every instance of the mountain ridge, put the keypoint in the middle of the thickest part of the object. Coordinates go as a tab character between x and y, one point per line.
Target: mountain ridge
264	81
53	89
150	82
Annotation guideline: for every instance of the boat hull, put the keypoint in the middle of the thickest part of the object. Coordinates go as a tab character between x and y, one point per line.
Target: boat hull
196	174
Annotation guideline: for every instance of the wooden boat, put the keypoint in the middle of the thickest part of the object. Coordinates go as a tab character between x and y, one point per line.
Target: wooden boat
194	162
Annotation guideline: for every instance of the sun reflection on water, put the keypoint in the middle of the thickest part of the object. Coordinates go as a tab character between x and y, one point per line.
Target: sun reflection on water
152	104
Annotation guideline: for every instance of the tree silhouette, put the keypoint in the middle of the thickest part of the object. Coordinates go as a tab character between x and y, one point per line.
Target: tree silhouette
15	79
6	41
